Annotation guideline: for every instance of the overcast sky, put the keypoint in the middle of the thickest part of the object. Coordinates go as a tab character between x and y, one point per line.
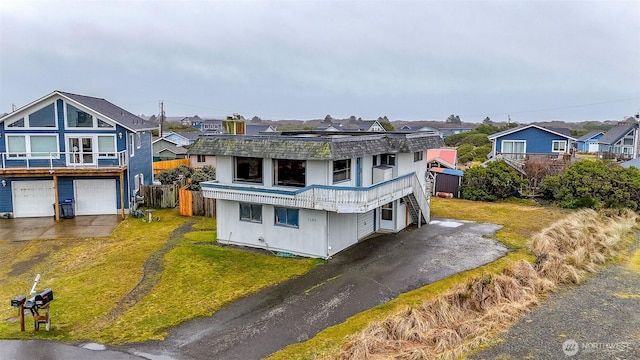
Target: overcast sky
408	60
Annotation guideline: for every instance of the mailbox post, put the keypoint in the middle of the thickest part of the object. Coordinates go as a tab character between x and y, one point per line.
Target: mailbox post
36	302
19	303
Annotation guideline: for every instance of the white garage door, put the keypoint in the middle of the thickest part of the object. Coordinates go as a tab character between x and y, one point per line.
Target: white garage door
593	147
33	198
365	224
95	197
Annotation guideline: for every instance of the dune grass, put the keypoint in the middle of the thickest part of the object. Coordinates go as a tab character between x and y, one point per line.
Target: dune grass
472	312
520	222
89	277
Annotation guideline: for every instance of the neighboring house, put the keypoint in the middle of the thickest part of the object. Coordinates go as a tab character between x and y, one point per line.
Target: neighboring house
212	126
165	149
258	129
326	128
448	131
315	194
370	125
182	138
532	140
68	146
194	122
620	142
406	128
443	158
588	143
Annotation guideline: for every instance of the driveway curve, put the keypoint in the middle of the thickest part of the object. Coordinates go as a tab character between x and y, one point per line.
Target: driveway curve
368	274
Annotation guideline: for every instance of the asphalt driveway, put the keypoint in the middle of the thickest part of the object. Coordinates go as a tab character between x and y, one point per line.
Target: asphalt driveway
368	274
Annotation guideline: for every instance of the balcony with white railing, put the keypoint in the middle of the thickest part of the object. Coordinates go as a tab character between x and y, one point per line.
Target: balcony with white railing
52	161
339	199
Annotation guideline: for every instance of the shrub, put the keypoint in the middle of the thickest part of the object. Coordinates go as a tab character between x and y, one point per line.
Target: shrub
594	184
494	182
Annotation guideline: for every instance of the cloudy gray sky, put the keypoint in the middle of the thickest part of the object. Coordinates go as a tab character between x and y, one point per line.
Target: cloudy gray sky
408	60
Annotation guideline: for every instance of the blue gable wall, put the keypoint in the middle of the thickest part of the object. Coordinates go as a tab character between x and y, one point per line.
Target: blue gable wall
538	141
584	145
140	163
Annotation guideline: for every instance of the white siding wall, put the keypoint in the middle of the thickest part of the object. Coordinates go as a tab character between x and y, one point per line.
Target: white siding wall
224	169
308	239
318	172
343	231
367	170
208	160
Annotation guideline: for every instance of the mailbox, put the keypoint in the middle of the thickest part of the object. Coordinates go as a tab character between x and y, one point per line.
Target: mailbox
44	297
18	301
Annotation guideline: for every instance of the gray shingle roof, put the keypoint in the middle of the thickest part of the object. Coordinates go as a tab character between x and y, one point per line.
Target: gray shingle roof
113	112
314	147
615	133
589	135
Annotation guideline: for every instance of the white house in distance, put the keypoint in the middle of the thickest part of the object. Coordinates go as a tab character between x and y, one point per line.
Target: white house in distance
317	193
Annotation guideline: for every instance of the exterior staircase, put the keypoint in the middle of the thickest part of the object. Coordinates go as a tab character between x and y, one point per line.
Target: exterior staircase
418	202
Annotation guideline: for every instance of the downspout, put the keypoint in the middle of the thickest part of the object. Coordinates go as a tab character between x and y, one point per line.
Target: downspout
326	233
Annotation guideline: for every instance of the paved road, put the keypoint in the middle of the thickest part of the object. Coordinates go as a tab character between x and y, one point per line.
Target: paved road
362	277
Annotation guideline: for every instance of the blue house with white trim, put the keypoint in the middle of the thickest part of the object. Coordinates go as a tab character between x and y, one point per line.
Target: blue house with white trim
523	141
589	142
67	146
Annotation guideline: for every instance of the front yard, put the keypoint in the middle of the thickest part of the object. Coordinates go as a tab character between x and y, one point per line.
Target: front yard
90	278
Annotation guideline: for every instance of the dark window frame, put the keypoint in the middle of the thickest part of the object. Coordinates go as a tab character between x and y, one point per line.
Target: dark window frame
254	212
290	219
290	173
341	170
418	156
245	171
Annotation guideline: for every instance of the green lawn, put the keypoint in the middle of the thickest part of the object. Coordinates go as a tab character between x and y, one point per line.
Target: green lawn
90	276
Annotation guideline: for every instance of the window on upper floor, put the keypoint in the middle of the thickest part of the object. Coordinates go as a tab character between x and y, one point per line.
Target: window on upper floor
418	156
106	146
341	170
627	141
45	117
289	172
251	212
33	146
286	217
201	158
514	149
388	159
41	118
559	146
16	124
78	118
138	140
132	147
248	169
104	124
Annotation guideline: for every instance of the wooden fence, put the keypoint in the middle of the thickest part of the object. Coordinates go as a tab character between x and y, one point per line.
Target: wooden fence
160	196
158	166
194	203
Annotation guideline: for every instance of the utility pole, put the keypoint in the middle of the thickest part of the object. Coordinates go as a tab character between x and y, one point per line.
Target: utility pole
161	105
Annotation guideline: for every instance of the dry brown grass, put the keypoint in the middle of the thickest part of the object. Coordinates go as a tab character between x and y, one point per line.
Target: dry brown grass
469	314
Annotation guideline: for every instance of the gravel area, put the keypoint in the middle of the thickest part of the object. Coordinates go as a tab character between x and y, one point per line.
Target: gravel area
599	319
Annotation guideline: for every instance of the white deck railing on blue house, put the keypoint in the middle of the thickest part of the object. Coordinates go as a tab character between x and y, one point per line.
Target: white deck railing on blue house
339	199
63	160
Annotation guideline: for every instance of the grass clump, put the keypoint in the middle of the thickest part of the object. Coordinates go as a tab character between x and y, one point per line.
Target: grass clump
470	313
